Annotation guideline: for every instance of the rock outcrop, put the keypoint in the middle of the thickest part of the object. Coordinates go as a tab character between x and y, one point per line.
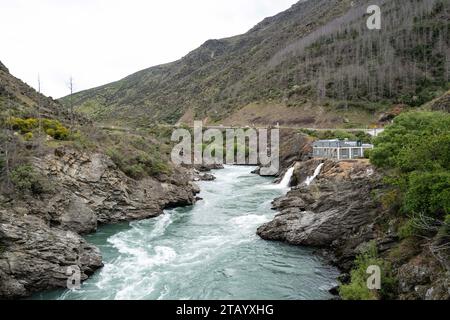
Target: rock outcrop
442	103
35	257
340	214
294	147
40	236
92	191
337	206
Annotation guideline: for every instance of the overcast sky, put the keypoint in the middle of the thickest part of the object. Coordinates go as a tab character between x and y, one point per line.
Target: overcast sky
100	41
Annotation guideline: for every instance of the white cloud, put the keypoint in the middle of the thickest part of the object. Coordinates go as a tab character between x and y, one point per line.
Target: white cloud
100	41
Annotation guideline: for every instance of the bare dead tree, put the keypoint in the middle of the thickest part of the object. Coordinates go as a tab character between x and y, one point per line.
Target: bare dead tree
71	102
39	104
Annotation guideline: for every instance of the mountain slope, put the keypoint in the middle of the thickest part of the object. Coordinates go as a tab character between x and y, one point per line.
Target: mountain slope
19	99
315	61
55	187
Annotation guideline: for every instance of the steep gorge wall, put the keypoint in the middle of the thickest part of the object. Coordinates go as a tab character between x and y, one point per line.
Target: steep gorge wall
341	215
40	236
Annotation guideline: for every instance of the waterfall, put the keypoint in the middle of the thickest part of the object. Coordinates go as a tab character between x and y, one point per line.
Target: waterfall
309	180
287	178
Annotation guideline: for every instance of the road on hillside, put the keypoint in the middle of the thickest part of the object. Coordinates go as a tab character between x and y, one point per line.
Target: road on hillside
373	132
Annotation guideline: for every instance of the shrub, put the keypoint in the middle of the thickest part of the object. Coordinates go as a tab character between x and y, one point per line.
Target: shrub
429	193
357	288
415	152
81	141
135	171
412	132
408	229
391	199
28	136
25	179
55	129
138	164
445	229
51	127
23	125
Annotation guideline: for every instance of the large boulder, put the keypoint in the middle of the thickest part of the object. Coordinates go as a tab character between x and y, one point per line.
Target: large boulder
35	257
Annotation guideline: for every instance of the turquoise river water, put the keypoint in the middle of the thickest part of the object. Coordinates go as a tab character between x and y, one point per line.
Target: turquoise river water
207	251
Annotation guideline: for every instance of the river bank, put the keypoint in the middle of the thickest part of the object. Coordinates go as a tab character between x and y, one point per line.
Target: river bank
206	251
41	236
341	214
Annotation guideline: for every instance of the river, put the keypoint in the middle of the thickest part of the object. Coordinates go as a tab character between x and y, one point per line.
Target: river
207	251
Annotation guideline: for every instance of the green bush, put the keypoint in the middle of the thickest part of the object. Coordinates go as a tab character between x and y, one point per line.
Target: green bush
415	153
55	129
445	229
26	179
135	171
23	125
138	164
429	193
51	127
408	229
357	288
28	136
413	132
338	134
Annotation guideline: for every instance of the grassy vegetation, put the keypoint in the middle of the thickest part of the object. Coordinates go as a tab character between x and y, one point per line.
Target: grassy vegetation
138	154
338	134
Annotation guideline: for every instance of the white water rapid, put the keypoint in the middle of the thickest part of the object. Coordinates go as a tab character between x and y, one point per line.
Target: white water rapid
309	180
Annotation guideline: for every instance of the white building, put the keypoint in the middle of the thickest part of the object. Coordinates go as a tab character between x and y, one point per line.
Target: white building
340	149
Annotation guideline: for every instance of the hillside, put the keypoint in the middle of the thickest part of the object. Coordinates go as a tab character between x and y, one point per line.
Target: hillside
61	177
19	99
315	64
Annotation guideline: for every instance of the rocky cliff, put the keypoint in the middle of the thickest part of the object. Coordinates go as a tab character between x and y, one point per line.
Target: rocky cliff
40	236
338	205
340	214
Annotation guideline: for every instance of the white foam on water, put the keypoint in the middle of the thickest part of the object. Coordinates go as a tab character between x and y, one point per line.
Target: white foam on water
249	221
310	180
284	183
161	225
204	243
137	290
287	178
